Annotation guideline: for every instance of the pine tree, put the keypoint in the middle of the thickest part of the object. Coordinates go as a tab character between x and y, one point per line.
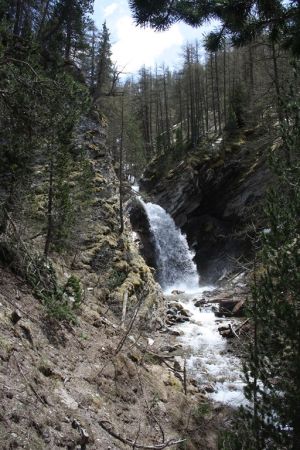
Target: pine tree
103	65
242	20
272	371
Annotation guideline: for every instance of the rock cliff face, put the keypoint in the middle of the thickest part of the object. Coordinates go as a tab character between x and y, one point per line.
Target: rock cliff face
215	194
140	224
109	261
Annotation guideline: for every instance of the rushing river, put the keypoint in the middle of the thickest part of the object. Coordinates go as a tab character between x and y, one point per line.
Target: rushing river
209	360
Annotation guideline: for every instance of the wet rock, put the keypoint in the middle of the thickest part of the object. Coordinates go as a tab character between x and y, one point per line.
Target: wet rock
186	313
140	224
227	334
182	319
170	348
227	331
171	312
179	309
200	302
175	332
222	328
207	388
210	293
177	292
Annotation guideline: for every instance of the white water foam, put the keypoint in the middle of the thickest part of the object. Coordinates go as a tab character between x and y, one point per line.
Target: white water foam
208	359
175	265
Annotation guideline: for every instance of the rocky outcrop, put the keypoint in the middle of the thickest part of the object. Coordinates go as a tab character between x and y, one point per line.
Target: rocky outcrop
215	195
108	262
141	225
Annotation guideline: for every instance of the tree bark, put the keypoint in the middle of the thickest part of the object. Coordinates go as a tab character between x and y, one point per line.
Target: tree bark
49	210
121	168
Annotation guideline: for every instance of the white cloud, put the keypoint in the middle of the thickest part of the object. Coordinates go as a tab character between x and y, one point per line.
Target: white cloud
135	46
110	9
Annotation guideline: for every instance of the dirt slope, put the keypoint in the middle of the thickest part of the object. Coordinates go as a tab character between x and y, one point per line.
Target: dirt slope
60	382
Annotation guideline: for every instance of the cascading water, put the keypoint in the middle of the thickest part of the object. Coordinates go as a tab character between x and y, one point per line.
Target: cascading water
175	265
207	358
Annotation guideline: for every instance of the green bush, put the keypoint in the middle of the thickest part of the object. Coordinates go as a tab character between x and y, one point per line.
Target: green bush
115	280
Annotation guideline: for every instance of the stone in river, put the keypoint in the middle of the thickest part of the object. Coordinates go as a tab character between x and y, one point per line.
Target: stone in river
200	302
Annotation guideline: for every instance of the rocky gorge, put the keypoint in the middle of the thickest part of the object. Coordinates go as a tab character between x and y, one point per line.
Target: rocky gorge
114	377
215	195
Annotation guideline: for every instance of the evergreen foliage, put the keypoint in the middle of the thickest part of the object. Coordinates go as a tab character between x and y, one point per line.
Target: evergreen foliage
273	372
49	54
241	20
104	70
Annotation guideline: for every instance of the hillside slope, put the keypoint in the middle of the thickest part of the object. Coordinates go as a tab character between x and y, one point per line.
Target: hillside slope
101	380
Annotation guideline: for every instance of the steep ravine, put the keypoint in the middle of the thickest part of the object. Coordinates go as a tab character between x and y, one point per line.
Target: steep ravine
215	195
102	383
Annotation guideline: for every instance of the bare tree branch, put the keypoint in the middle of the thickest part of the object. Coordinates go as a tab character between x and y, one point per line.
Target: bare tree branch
131	442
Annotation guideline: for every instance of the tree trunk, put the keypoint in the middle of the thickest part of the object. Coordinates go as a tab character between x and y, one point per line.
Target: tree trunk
18	17
213	93
206	101
224	85
218	94
93	64
49	210
68	41
44	15
121	168
166	112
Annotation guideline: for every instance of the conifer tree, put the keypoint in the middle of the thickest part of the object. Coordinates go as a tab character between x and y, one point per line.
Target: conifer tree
103	65
241	20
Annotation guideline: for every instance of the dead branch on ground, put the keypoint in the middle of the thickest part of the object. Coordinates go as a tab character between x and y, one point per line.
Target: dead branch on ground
171	442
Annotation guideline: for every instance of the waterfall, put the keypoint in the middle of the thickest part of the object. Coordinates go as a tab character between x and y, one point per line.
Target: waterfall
208	361
175	266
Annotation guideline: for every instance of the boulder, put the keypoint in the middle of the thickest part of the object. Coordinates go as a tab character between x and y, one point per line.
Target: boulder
177	292
200	302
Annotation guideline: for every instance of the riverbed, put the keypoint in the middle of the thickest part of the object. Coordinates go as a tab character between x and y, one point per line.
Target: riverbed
209	358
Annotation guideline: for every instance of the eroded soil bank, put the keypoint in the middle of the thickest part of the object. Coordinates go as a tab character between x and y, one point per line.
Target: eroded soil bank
62	385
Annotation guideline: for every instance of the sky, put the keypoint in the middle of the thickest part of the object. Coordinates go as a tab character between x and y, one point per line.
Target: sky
133	47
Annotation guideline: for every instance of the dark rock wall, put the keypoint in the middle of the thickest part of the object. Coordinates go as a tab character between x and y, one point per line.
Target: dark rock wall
215	194
140	224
